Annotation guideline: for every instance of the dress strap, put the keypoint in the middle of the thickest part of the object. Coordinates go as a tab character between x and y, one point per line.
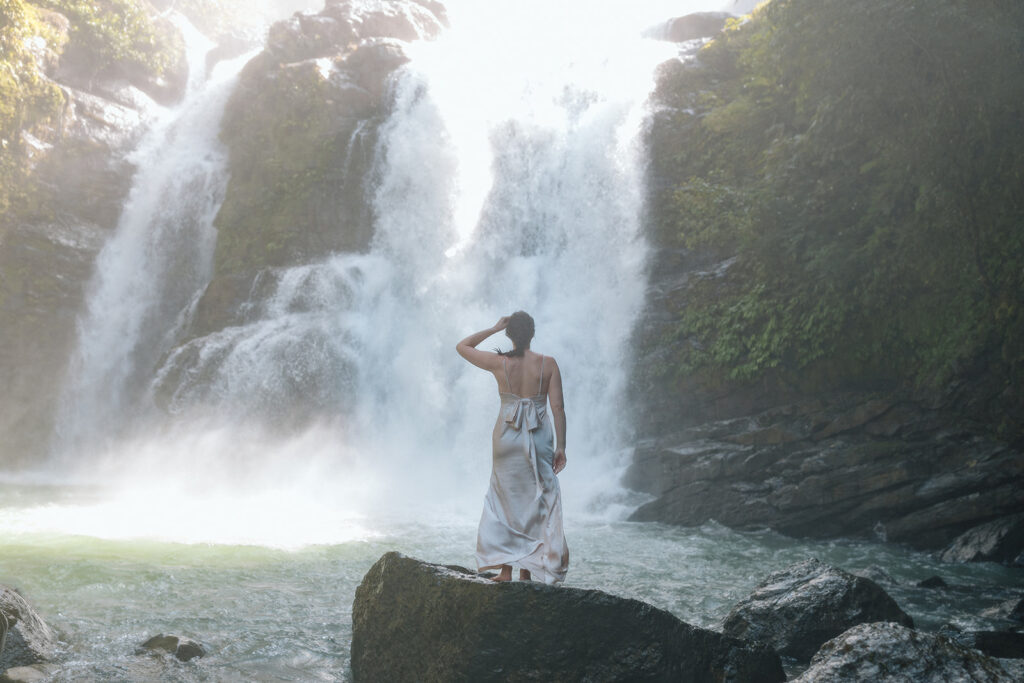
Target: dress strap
540	382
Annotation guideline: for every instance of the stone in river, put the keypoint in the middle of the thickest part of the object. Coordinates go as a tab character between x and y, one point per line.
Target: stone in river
884	652
25	639
1001	540
797	609
933	582
1003	644
182	648
417	621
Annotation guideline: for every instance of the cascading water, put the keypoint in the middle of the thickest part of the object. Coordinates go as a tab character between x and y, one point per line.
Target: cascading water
507	176
153	265
512	180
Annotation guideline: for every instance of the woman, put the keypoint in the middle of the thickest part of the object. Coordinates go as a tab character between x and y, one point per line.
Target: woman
522	519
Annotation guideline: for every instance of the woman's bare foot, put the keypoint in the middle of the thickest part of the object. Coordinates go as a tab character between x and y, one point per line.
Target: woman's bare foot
505	575
524	575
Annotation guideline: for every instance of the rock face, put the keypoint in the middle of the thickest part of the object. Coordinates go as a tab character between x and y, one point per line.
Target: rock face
890	652
692	26
301	129
815	450
1000	644
797	609
1001	540
417	621
24	636
858	465
73	176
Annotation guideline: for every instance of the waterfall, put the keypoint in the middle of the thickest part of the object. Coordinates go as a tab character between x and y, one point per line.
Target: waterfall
159	256
505	177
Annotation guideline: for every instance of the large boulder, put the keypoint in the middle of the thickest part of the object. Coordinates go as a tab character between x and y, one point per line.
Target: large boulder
417	621
883	652
25	639
861	465
1001	540
797	609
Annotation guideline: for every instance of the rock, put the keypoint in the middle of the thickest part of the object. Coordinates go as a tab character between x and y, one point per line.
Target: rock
876	574
797	609
182	648
886	651
301	130
44	267
924	486
1012	609
417	621
1000	540
27	674
933	582
25	638
1002	644
690	27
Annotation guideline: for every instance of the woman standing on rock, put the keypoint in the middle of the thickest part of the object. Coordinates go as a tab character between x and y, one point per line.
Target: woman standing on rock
521	523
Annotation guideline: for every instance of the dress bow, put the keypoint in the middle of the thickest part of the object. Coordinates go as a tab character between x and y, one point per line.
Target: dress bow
524	413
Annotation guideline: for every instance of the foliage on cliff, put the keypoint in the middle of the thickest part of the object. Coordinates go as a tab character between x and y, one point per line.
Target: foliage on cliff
107	32
27	97
81	36
864	163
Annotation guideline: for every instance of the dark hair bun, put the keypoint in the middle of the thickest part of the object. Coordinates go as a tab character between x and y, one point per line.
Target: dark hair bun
520	331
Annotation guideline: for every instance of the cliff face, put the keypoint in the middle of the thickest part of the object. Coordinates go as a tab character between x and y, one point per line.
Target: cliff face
72	110
301	130
834	236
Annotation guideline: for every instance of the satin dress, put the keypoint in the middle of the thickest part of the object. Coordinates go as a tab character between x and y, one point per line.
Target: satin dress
521	524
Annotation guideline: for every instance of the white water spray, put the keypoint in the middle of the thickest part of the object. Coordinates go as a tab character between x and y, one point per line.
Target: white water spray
507	177
160	255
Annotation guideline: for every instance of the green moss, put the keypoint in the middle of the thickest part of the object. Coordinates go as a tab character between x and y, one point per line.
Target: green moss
108	32
27	98
863	163
288	136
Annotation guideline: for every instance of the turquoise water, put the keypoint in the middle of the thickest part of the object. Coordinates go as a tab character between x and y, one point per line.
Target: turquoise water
268	613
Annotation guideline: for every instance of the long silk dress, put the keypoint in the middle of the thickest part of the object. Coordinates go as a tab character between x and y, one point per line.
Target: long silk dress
521	524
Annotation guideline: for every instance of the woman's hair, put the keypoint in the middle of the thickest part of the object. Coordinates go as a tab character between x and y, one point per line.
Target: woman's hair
520	331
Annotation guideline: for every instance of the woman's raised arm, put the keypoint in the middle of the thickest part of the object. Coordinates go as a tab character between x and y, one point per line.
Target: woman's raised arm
486	360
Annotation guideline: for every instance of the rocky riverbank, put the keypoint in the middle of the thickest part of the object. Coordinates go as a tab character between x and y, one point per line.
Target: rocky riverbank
855	465
415	620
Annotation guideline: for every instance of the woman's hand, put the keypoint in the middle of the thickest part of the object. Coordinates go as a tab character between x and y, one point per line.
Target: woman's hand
559	462
501	324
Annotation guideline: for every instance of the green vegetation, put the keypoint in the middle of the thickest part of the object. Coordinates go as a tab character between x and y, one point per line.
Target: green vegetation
92	37
864	163
107	32
27	98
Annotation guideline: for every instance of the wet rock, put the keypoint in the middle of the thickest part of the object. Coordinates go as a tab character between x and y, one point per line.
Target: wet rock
418	621
886	651
690	27
27	674
922	484
1002	644
876	574
181	647
1001	540
45	267
933	582
25	638
797	609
